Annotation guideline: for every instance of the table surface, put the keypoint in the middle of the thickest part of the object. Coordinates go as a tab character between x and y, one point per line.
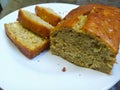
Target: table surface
16	4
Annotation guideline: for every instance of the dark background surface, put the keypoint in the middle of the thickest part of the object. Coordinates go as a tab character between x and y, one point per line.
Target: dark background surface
16	4
0	8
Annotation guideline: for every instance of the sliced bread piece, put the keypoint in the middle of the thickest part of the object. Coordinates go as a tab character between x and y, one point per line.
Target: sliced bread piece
34	23
27	42
48	15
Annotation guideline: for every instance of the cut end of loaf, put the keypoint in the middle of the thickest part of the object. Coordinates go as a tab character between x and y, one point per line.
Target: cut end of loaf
82	49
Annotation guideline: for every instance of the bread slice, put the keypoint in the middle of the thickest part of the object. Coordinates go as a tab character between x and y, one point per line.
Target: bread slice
48	15
34	23
27	42
89	37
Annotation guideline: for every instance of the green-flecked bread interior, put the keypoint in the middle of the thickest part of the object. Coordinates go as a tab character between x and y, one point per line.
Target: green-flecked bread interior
82	48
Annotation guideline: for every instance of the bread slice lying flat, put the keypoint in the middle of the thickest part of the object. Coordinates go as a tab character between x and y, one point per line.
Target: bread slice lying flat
27	42
89	37
34	23
48	15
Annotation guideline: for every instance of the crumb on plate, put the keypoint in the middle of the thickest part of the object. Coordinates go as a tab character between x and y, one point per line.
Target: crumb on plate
63	69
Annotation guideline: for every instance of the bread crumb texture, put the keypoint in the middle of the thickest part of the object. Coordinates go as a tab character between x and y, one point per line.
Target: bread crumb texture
26	37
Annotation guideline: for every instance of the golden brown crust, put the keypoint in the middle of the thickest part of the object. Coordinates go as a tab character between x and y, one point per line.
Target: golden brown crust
47	15
30	53
103	22
32	25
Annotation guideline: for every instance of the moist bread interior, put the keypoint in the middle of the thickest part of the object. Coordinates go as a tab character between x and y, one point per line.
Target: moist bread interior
82	49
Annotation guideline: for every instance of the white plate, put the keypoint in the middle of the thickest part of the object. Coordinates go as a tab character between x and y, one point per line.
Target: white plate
44	72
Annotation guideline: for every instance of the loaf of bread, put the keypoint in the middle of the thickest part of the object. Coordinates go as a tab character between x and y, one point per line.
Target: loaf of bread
27	42
34	23
89	37
48	15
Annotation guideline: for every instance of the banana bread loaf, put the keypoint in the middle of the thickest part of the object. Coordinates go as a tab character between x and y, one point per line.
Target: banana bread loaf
88	36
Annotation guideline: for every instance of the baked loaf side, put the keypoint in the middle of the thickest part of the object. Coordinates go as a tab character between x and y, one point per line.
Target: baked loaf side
34	23
27	42
89	37
48	15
